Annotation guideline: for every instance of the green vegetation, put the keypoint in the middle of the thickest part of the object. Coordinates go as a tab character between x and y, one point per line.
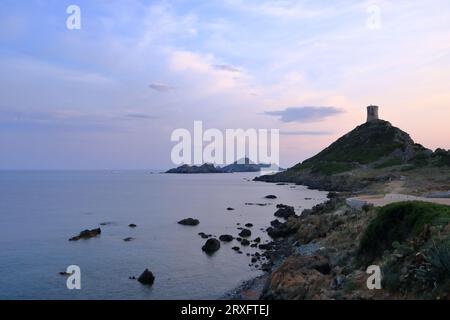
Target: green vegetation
439	258
391	277
420	160
367	143
398	222
389	163
349	286
368	157
442	157
329	168
408	167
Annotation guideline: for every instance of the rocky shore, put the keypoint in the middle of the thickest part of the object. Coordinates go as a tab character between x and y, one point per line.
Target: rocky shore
324	253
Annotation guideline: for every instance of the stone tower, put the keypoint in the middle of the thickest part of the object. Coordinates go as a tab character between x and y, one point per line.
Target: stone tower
372	113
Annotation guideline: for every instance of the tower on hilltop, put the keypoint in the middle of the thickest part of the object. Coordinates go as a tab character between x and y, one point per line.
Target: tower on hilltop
372	113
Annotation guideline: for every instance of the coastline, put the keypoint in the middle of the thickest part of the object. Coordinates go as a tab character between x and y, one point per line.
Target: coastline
248	290
324	253
279	249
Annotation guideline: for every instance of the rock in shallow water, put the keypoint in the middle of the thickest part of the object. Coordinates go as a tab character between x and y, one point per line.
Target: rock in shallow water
189	222
275	223
226	238
204	235
146	277
284	211
245	233
211	246
107	223
281	230
86	234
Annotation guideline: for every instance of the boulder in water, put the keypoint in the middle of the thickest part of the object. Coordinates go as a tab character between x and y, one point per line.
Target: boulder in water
245	233
146	277
226	238
211	246
87	234
284	211
204	235
189	222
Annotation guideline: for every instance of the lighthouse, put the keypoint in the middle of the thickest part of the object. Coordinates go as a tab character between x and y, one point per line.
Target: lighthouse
372	113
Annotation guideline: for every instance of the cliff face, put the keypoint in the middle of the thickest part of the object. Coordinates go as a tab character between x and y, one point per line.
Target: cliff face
373	151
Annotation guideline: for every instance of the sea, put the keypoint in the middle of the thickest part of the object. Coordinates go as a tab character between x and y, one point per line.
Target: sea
41	210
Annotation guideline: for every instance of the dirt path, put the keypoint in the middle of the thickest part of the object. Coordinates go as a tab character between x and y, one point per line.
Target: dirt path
380	201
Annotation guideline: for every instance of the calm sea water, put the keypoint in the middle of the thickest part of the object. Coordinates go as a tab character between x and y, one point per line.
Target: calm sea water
40	211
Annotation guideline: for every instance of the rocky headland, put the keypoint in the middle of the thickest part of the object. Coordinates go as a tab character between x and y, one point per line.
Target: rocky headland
367	158
324	253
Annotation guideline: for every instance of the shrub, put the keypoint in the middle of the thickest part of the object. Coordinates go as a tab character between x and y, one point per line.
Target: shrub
398	222
389	163
330	168
439	257
390	279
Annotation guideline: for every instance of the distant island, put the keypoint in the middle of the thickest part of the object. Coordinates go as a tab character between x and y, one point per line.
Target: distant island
243	165
187	169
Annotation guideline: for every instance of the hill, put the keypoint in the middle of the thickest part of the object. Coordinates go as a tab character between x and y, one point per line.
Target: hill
375	151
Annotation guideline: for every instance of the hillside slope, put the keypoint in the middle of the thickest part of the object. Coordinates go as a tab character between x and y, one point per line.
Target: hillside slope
375	151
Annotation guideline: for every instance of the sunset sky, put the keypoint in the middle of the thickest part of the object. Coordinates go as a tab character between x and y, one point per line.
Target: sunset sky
109	95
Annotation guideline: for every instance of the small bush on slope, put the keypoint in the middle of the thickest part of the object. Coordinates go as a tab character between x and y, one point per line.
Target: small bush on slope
398	222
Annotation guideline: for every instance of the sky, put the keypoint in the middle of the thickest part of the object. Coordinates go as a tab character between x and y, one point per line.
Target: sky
109	94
